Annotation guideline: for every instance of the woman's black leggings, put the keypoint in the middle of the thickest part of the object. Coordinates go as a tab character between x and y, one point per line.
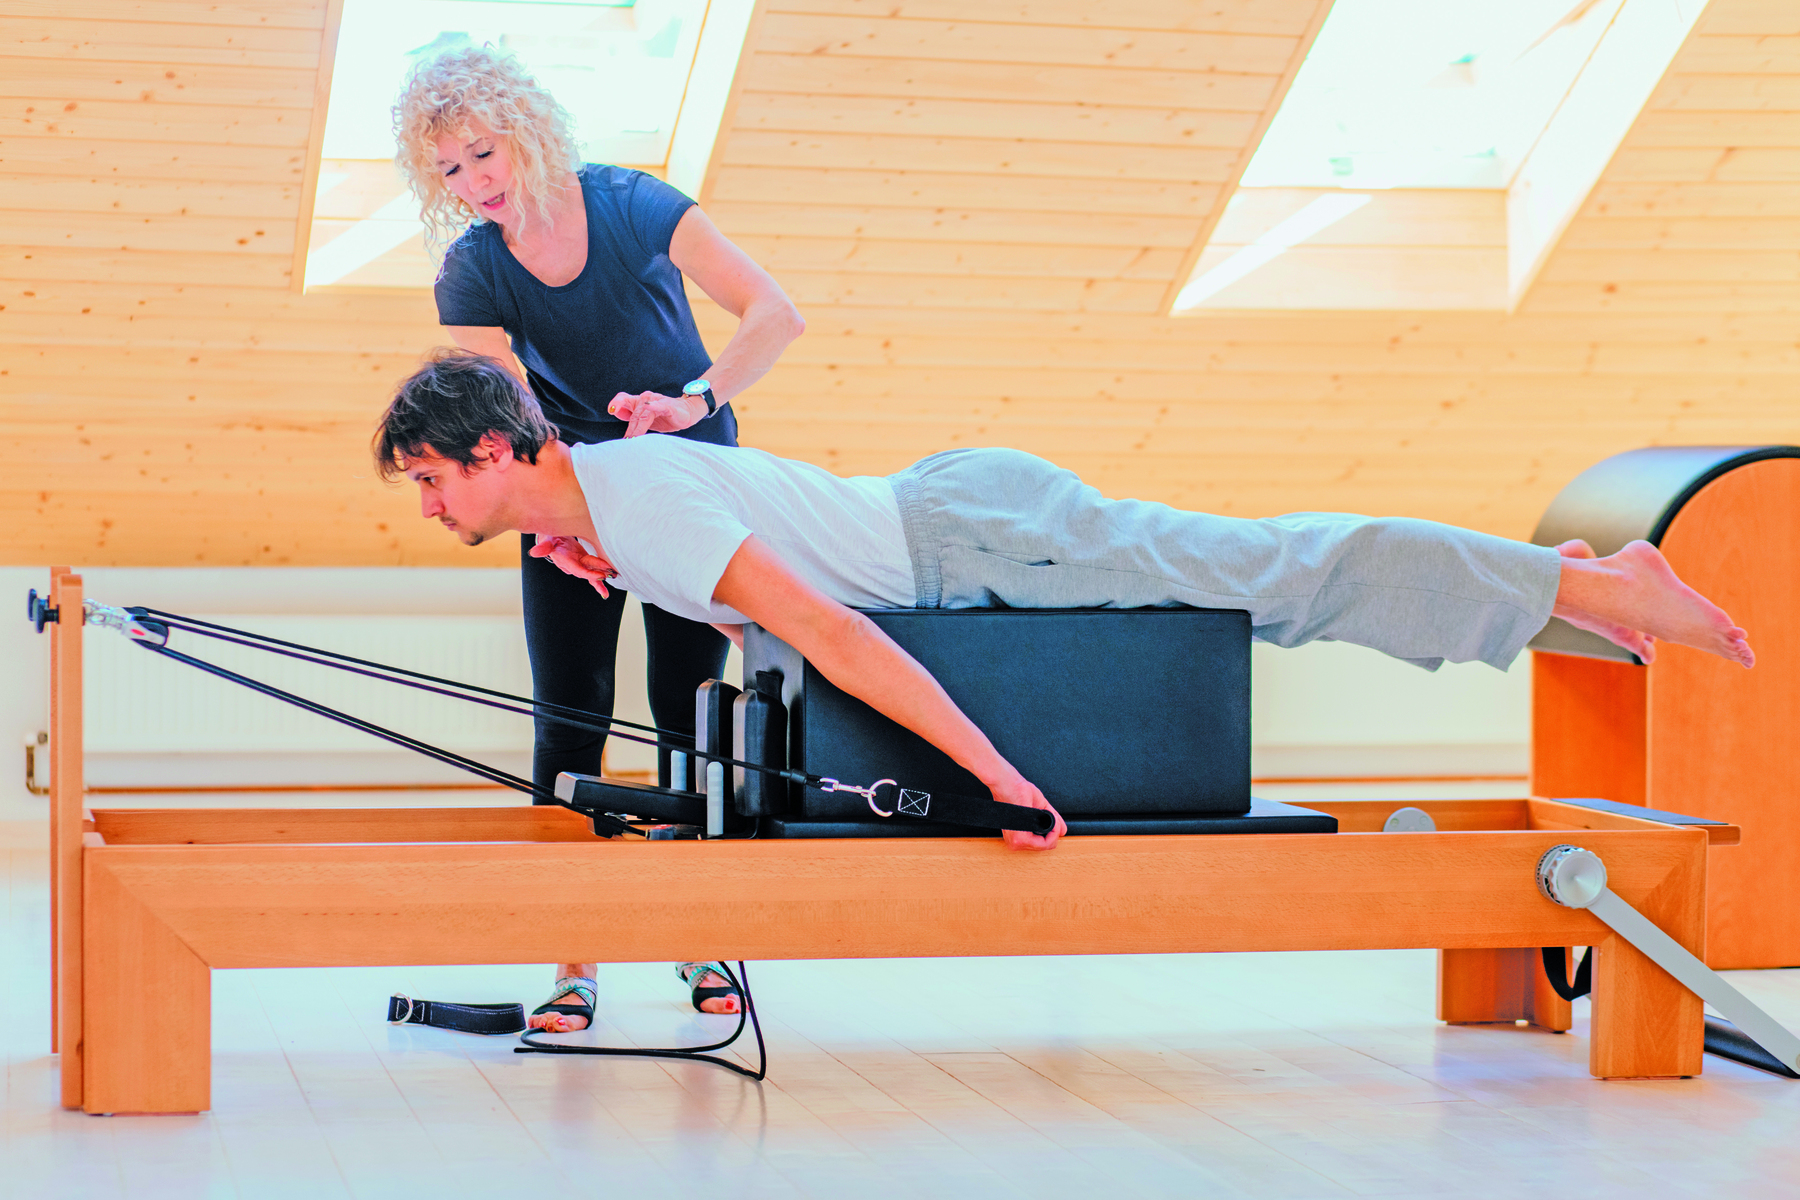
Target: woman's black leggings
572	634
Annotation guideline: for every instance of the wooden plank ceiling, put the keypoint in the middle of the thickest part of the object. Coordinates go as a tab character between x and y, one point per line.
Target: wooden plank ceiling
980	220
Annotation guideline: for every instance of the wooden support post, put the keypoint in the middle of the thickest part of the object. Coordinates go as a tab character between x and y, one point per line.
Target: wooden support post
56	573
1645	1024
1721	737
1478	987
66	796
148	1004
1588	728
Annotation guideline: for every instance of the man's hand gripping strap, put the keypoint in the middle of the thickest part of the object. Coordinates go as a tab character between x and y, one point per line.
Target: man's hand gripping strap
949	809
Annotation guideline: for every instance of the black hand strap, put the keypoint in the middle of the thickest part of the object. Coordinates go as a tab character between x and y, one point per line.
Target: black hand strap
464	1018
952	809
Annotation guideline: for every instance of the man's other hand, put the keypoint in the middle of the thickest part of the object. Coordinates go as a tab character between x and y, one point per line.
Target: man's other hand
652	412
1022	791
573	559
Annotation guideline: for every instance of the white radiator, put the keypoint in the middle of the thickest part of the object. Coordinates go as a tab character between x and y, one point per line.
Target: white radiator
139	702
154	722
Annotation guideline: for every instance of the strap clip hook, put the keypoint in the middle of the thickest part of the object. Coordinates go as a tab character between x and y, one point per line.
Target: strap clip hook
868	793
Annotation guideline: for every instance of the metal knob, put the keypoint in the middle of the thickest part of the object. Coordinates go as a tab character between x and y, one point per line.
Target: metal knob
1571	876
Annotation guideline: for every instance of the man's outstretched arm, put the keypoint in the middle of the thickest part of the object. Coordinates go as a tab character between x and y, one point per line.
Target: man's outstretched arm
863	661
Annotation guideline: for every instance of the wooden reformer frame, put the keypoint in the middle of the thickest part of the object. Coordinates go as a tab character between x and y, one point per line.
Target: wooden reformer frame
147	903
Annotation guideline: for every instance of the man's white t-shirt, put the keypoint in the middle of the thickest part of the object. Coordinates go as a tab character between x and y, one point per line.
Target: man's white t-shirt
671	512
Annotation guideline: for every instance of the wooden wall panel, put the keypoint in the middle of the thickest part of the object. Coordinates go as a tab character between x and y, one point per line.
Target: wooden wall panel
1662	317
981	220
165	398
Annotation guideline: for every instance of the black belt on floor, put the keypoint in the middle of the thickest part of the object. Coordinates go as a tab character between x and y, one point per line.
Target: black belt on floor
464	1018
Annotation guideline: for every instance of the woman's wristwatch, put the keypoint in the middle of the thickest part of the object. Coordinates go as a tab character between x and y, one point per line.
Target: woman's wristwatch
703	389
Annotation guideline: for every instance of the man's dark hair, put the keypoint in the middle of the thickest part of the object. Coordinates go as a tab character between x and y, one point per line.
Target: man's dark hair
451	403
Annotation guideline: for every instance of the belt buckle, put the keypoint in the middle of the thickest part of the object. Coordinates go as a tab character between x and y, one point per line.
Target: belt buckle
407	1015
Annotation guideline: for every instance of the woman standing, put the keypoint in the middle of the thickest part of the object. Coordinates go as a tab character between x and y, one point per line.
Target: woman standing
571	274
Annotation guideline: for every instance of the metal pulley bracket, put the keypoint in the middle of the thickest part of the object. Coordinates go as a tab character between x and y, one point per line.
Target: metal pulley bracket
133	624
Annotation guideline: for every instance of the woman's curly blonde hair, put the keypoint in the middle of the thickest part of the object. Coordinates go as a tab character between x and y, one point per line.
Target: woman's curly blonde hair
442	94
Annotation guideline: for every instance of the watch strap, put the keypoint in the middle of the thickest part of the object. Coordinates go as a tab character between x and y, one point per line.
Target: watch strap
706	394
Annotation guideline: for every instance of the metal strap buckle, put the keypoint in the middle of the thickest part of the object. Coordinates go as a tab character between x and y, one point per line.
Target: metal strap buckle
407	1015
868	793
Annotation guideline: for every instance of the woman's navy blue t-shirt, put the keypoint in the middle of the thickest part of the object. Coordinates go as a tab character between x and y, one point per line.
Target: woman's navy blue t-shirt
622	325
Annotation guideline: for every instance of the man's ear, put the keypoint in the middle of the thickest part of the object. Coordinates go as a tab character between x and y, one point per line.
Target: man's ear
496	450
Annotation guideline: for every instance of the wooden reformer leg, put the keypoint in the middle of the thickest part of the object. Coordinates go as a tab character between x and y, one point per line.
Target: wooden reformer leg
1645	1024
1489	986
147	1011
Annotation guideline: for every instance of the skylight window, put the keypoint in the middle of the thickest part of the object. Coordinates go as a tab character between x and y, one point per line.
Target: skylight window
1427	93
618	68
1430	153
644	80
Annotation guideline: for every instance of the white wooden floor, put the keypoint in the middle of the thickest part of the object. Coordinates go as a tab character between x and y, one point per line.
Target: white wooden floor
1278	1075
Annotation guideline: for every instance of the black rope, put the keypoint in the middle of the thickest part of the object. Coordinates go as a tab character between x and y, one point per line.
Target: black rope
562	714
263	641
533	708
603	822
387	735
690	1053
693	1053
957	810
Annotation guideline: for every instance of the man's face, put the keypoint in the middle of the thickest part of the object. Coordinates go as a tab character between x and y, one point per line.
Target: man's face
471	505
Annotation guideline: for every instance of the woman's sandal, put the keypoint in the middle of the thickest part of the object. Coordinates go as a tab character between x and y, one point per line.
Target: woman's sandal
571	985
692	973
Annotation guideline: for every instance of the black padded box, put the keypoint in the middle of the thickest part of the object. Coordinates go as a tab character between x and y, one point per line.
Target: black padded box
1112	712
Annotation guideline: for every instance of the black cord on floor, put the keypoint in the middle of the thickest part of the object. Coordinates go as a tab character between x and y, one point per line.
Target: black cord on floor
1556	970
682	1053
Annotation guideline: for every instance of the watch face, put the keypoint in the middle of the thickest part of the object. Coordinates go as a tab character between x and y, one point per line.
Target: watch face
696	388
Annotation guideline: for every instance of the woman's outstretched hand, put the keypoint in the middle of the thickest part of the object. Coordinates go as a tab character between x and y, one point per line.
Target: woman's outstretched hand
653	412
572	559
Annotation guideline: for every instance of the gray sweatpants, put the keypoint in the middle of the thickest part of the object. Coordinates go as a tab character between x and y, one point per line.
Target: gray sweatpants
1002	528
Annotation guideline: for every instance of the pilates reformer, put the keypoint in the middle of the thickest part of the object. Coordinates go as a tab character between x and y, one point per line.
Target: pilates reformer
173	894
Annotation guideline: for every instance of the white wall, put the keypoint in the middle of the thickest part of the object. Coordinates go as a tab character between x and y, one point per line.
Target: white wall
24	691
1323	710
1329	709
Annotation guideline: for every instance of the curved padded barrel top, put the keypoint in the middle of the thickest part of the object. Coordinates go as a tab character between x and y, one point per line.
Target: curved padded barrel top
1630	496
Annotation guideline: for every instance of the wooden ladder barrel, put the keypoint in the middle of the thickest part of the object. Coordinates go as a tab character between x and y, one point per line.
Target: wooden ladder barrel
1691	732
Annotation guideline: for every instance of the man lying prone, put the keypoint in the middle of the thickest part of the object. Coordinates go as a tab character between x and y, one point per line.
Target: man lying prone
730	535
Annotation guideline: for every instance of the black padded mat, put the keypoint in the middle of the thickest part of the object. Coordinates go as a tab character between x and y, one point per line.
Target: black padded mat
1265	816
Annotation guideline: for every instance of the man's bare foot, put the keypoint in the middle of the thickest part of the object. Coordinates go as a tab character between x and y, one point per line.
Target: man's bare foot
1634	640
1634	596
